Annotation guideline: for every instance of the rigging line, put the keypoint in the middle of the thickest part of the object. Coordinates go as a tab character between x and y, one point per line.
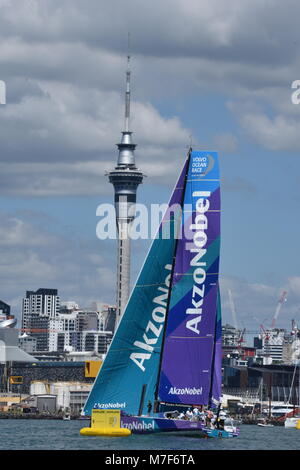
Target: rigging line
291	388
218	305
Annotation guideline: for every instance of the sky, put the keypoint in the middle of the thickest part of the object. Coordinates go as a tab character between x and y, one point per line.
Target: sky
217	73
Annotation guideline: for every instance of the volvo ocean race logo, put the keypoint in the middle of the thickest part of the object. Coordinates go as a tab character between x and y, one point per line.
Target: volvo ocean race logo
154	326
200	226
201	165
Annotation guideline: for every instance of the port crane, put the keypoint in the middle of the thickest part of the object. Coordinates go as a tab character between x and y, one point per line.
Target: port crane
241	338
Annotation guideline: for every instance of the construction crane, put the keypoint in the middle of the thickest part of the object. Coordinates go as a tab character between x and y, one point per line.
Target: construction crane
241	336
241	340
266	340
266	333
281	300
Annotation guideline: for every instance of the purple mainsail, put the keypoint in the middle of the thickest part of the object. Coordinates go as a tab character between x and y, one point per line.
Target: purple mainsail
191	347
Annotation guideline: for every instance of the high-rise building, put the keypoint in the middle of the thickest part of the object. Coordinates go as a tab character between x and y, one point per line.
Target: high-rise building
78	330
230	335
49	326
272	344
38	309
125	178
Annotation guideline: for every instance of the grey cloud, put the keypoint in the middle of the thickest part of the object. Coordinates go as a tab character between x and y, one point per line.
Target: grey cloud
60	140
256	303
33	257
250	30
64	65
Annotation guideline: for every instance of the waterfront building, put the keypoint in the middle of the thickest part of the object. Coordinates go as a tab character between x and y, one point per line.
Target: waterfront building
10	353
43	303
262	381
41	377
230	335
53	327
64	395
126	178
257	342
291	348
27	343
82	330
50	326
38	309
272	344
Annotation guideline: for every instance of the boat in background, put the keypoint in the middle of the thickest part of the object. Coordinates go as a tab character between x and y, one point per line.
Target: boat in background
167	348
291	420
264	424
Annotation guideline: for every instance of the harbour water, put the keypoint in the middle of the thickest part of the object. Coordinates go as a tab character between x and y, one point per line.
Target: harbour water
64	435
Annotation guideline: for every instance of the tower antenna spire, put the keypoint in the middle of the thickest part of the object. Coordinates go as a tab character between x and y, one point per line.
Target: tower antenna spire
127	94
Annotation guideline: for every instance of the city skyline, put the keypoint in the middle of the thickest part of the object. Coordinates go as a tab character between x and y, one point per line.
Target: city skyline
223	82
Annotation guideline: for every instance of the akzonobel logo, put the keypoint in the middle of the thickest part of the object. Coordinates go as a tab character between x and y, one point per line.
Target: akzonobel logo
109	405
185	391
2	92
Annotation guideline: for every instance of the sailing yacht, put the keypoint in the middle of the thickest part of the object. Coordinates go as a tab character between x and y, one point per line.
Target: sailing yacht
166	352
291	421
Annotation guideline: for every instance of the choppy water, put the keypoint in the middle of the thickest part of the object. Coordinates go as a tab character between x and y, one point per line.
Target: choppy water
64	435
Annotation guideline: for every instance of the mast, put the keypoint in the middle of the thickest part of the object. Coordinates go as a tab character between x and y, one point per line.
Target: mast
298	387
213	359
170	289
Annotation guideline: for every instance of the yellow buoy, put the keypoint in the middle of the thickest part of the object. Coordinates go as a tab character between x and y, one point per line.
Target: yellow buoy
105	423
110	432
298	424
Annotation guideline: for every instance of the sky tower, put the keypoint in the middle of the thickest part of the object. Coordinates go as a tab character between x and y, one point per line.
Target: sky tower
125	177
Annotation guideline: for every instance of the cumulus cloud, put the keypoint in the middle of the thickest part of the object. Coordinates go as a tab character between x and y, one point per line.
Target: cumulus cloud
33	257
256	303
60	141
277	133
64	67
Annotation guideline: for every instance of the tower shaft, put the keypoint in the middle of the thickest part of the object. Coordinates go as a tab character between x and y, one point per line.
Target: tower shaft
125	178
123	267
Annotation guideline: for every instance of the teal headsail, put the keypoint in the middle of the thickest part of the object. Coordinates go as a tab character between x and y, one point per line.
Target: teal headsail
130	369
